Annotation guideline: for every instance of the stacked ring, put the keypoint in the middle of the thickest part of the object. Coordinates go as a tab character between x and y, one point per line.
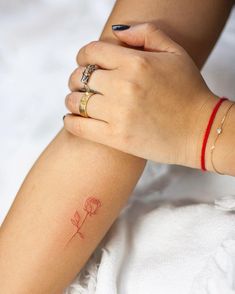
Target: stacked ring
87	91
83	103
86	76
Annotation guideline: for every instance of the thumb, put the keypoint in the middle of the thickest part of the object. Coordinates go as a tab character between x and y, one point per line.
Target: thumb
146	35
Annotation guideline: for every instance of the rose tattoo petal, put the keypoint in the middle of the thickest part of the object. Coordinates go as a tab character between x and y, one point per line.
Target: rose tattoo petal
91	205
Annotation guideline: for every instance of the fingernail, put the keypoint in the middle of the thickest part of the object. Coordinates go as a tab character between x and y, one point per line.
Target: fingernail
120	27
64	117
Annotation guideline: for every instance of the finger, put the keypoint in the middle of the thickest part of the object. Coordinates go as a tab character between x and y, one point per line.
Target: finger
99	81
88	128
95	105
105	55
148	36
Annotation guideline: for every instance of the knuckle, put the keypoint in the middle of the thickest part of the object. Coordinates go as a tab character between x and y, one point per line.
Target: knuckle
71	102
72	79
140	63
70	82
76	127
68	101
132	89
150	27
78	57
129	88
87	50
91	47
77	72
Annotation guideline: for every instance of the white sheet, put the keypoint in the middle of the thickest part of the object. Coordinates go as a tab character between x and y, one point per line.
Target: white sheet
167	240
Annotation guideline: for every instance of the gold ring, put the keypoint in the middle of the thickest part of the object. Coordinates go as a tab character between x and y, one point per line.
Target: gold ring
83	103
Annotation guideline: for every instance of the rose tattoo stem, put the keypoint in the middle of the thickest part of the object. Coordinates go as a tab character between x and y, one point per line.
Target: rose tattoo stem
78	230
91	206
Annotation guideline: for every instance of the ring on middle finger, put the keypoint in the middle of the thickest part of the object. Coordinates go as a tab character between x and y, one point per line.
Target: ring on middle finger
86	76
83	103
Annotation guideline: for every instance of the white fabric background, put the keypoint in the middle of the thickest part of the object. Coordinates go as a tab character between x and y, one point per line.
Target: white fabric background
176	245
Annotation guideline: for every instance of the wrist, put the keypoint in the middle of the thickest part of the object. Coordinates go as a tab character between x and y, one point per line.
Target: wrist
223	152
199	121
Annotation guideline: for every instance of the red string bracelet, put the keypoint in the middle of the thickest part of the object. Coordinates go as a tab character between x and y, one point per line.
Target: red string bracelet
207	132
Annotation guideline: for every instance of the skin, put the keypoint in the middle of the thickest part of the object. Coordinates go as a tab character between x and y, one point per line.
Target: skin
155	116
35	256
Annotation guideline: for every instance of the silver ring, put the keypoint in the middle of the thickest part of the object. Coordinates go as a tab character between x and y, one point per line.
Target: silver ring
86	75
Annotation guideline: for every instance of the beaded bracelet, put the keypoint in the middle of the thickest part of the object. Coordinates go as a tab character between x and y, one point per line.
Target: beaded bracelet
219	131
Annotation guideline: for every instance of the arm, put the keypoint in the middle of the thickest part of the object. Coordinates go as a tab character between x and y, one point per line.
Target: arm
36	231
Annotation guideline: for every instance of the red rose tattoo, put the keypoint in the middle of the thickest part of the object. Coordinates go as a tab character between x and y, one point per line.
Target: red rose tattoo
90	207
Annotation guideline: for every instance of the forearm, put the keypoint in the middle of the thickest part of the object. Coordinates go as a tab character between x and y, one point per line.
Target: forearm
38	233
34	237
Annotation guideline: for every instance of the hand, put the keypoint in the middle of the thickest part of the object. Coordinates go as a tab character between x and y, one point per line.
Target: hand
152	100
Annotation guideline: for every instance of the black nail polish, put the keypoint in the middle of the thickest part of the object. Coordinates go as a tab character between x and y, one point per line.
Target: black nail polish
64	117
120	27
